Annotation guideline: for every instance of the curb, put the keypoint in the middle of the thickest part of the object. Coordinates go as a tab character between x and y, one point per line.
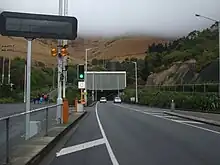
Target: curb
206	121
90	105
39	156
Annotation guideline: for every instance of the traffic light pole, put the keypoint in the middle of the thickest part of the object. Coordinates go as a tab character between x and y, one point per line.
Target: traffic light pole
59	66
85	92
65	42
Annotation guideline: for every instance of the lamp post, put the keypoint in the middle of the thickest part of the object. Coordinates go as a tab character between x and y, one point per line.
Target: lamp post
135	65
86	69
218	24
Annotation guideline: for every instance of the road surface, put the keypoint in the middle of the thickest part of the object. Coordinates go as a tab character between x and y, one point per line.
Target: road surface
127	135
17	124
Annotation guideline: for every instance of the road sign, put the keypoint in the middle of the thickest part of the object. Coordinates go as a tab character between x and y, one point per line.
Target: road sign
38	26
81	84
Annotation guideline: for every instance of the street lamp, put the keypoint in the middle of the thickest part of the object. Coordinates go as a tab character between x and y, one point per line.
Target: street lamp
135	65
86	64
218	24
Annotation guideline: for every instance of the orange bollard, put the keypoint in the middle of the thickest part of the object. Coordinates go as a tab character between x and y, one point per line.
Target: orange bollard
65	111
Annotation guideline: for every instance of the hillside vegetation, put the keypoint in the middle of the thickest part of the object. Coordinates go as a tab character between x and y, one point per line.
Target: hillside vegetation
196	52
188	60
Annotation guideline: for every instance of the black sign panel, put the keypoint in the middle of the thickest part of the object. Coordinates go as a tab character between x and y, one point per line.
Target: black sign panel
38	26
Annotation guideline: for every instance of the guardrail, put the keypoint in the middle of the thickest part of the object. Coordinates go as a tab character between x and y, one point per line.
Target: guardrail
188	88
15	137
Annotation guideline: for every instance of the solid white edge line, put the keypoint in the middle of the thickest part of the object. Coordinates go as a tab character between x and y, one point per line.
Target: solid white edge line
79	147
205	129
111	154
187	121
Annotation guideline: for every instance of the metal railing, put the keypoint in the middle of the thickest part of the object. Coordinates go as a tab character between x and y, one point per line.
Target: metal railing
186	88
47	118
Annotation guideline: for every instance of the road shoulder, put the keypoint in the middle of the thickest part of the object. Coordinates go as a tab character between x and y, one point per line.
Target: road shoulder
36	148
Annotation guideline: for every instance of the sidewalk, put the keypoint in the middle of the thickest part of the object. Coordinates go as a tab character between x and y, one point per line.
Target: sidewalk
209	118
34	149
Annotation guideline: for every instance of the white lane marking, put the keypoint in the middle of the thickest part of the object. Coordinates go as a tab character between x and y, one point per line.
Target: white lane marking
111	154
187	121
80	147
166	116
206	129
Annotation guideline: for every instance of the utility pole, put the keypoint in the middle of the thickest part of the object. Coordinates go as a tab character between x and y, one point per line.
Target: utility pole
65	42
136	83
25	80
59	63
9	71
3	70
28	88
53	78
118	84
93	86
86	56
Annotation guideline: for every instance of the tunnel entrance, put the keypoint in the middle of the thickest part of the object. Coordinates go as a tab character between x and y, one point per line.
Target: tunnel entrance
109	94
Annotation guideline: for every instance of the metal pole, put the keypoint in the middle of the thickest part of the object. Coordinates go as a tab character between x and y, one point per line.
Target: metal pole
219	58
7	142
93	85
118	84
9	71
25	81
53	77
59	61
86	76
218	24
3	70
64	77
28	100
136	81
47	123
65	42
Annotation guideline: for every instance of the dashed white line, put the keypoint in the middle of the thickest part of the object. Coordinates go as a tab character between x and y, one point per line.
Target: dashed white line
80	147
111	154
206	129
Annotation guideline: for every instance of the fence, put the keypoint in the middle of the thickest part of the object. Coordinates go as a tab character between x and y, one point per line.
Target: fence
190	88
13	129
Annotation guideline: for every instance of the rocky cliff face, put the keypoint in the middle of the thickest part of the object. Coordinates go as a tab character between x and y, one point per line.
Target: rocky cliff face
184	73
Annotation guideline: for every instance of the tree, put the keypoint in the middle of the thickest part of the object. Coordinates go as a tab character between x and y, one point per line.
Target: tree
94	61
145	71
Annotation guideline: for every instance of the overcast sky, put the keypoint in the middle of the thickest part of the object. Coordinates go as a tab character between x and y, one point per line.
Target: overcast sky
165	18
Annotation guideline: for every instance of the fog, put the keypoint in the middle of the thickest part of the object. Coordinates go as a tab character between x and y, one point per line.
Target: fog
162	18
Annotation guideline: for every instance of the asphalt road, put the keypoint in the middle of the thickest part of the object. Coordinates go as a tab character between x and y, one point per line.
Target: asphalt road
17	124
128	135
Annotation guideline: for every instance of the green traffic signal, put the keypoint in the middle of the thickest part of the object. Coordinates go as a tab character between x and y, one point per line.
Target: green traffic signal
81	72
81	76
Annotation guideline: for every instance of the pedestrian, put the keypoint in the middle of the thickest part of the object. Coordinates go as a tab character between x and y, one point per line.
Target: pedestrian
41	100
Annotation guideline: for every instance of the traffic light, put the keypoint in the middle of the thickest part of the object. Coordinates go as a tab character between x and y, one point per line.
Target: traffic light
63	52
81	73
53	52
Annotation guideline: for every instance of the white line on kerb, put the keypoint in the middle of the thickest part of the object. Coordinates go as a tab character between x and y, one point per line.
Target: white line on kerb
80	147
205	129
111	154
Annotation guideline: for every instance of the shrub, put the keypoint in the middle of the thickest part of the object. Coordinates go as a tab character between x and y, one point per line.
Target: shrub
187	101
6	100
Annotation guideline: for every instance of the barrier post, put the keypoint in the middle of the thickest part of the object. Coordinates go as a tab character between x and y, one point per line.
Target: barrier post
65	111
